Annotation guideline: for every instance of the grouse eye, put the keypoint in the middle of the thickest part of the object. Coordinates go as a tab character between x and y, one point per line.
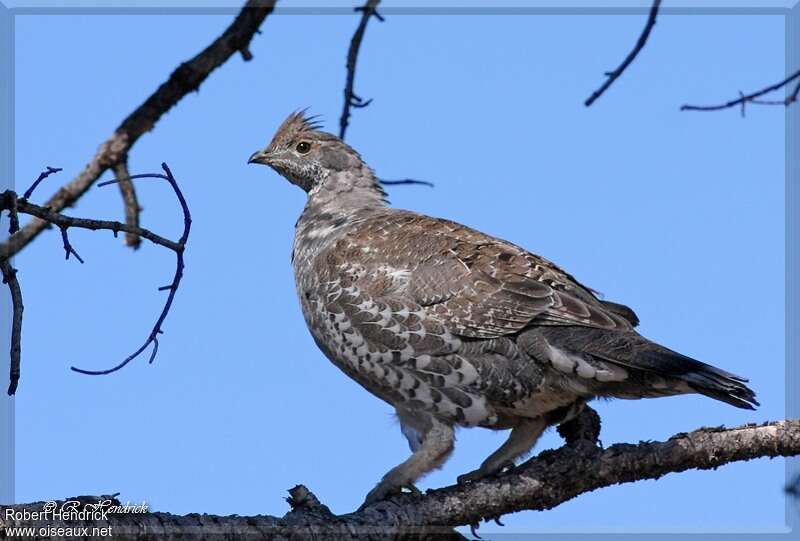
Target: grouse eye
303	147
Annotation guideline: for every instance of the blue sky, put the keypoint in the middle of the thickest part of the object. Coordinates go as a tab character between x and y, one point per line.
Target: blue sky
679	215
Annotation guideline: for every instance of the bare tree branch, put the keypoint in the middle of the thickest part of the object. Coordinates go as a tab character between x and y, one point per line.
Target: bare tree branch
152	338
15	205
612	76
743	99
406	181
10	278
68	246
543	482
185	79
62	220
129	200
368	10
43	175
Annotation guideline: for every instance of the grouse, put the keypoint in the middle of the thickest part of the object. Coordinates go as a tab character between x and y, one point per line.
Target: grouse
453	327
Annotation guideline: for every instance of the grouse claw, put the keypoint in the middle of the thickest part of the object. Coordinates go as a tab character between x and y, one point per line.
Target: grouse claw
412	489
473	528
482	472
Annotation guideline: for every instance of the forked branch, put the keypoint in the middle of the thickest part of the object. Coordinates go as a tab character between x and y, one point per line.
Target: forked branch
16	205
186	78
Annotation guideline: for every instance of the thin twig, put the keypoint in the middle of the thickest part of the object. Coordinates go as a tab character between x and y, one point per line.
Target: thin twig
744	99
129	200
68	246
612	76
406	181
368	10
43	175
152	338
186	78
10	278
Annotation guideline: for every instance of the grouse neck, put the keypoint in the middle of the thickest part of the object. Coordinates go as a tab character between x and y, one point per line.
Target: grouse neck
347	192
343	199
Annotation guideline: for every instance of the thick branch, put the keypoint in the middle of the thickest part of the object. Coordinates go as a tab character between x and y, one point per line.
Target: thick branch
753	98
612	76
368	10
185	79
554	477
543	482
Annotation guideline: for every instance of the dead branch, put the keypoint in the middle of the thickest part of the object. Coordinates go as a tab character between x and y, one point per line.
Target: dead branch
406	181
543	482
152	338
14	204
368	10
68	246
43	175
612	76
10	278
743	99
185	79
62	220
129	201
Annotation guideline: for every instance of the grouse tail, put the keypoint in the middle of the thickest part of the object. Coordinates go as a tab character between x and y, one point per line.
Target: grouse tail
700	377
636	353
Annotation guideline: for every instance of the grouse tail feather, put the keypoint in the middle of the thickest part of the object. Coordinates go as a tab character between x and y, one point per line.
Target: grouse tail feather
701	377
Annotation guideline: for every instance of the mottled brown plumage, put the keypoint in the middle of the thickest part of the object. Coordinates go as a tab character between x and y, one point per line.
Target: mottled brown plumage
453	327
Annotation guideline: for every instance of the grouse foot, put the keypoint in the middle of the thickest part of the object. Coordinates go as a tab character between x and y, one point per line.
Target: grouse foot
486	470
384	490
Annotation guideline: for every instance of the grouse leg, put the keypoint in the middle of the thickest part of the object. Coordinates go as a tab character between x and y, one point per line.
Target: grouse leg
436	445
521	440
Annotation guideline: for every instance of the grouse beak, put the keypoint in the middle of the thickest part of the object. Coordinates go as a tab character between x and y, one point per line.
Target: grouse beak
260	156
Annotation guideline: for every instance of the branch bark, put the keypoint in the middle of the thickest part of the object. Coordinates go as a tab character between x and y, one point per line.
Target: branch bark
129	201
186	78
543	482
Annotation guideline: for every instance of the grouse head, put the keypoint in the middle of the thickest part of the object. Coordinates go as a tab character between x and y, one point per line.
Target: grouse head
305	155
